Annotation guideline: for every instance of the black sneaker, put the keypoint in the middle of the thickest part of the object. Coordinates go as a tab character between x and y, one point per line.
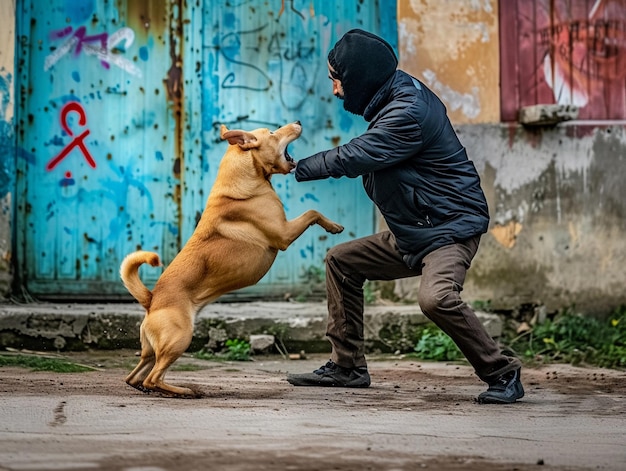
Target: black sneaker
504	390
332	374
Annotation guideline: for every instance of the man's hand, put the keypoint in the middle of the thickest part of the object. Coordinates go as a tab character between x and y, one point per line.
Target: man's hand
311	168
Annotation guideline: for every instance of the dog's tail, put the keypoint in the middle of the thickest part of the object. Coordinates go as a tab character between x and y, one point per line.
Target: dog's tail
129	272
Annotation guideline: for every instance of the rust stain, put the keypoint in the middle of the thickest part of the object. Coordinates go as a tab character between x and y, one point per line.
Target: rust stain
506	235
175	95
146	17
163	22
294	9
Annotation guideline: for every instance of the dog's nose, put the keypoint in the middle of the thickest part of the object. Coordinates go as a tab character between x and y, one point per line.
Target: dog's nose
298	123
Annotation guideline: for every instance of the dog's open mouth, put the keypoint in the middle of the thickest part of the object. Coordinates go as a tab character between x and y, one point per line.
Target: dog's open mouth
287	155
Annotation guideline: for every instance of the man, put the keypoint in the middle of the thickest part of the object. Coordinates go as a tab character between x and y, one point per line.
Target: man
417	173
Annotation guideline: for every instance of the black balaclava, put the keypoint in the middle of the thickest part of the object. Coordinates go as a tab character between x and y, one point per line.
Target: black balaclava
363	62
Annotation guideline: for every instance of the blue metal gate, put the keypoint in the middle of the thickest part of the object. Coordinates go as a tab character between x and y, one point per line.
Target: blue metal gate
119	106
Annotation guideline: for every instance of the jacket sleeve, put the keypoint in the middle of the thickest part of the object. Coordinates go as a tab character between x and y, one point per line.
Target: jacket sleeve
312	168
392	139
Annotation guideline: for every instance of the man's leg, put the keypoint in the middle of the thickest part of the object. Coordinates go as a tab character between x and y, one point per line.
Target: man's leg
348	266
443	276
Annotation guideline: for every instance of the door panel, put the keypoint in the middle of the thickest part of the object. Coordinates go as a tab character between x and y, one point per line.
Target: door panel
264	65
97	166
119	107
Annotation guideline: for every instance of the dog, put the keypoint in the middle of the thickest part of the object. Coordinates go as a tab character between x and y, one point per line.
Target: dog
242	228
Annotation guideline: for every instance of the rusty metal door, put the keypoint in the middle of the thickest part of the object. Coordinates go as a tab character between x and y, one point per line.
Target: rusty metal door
118	107
98	162
263	64
569	52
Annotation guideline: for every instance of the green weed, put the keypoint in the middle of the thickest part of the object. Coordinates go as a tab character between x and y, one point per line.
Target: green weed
566	338
236	350
573	338
434	344
35	363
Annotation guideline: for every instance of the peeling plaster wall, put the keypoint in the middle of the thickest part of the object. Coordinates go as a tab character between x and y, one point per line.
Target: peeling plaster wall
556	197
558	216
7	135
452	46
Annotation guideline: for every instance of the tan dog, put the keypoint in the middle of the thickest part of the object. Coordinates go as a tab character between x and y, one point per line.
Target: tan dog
235	243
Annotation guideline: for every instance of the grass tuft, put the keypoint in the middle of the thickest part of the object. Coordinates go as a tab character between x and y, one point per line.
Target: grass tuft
37	363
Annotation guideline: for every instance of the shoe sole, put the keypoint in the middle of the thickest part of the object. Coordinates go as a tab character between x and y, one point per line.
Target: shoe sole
488	399
329	384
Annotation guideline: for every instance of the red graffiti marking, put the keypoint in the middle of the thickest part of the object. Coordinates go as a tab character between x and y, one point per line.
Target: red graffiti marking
78	141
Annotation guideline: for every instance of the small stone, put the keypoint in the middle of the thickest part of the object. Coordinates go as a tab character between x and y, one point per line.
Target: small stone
59	343
261	343
523	327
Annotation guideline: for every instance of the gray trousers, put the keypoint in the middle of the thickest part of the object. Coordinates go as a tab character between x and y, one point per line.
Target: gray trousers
376	257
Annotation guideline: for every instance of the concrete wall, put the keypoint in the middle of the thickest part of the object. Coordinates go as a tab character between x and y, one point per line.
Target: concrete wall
556	199
7	136
558	211
556	194
452	46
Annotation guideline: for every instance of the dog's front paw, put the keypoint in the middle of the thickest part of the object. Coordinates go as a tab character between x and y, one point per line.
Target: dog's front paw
334	228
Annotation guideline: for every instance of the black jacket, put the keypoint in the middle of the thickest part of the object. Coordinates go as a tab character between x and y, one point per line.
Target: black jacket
414	169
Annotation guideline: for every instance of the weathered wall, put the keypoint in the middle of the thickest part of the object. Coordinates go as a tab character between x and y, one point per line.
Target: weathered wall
555	194
452	46
570	52
557	205
7	135
558	212
118	107
558	216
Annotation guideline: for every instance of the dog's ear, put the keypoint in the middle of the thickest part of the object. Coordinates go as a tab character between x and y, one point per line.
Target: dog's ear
243	139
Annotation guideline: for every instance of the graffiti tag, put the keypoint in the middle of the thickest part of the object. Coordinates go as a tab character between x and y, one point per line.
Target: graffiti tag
78	141
103	46
296	66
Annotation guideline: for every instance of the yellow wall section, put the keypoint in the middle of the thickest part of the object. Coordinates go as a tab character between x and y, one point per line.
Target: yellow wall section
453	47
7	56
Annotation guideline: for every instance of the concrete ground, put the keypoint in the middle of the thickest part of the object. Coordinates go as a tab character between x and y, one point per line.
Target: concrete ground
416	415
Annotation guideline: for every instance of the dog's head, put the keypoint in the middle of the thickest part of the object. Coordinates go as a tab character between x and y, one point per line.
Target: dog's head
268	148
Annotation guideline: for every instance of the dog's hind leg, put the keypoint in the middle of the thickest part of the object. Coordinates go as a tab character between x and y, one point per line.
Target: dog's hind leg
146	363
155	380
136	377
167	351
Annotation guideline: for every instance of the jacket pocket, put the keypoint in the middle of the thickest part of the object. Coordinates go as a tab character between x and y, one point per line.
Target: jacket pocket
423	209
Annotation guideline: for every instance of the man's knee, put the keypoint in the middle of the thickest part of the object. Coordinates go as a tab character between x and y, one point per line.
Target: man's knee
434	299
339	253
